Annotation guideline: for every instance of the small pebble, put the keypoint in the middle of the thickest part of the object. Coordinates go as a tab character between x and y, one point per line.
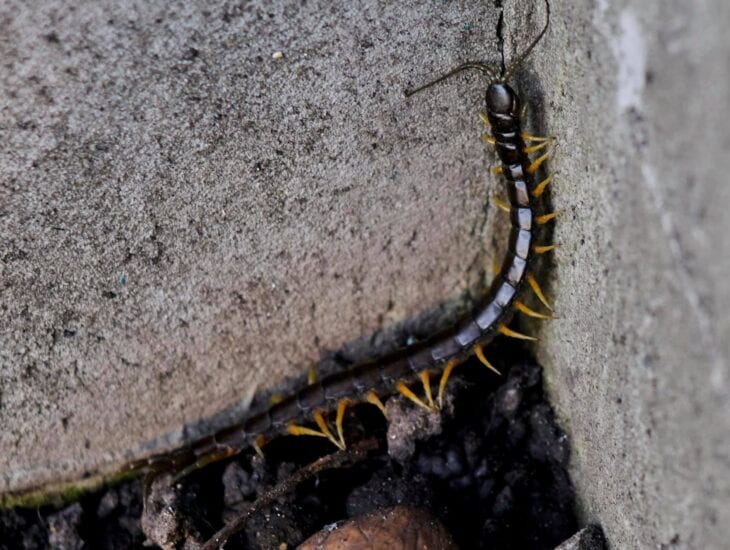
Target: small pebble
399	528
588	538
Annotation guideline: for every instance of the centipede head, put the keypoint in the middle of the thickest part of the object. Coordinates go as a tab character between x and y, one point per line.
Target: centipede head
500	97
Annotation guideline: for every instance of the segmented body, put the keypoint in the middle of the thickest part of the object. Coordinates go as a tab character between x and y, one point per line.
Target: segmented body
443	352
452	346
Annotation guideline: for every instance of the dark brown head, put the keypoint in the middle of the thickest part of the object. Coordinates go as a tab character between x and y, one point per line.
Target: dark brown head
502	99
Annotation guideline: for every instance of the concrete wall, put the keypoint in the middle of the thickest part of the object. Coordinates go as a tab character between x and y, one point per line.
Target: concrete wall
186	218
638	365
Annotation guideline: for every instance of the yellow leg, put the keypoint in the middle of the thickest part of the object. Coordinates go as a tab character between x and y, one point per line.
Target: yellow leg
514	334
489	140
496	268
535	166
538	291
530	137
425	377
258	445
372	398
312	375
485	120
341	408
296	429
322	424
450	366
543	249
479	352
497	170
275	398
545	218
501	204
324	430
534	148
520	306
215	456
540	188
406	392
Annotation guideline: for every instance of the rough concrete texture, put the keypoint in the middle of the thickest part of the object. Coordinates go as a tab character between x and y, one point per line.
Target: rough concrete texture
188	215
185	218
638	363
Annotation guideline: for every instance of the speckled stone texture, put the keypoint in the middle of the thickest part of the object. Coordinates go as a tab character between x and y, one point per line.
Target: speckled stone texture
185	218
637	364
198	199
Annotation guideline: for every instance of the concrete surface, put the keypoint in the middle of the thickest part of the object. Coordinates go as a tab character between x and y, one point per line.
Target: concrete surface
189	216
185	219
638	364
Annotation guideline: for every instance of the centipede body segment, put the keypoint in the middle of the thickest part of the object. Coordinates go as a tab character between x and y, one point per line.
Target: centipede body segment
507	295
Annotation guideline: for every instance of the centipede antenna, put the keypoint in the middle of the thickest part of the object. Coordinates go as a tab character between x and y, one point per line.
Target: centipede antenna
486	69
520	58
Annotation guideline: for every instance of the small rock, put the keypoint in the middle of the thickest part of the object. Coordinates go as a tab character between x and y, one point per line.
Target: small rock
588	538
399	528
162	520
408	424
63	528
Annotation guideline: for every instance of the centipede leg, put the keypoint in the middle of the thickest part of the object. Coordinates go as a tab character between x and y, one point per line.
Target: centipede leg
258	445
372	398
404	390
341	408
501	204
514	334
542	249
450	366
537	139
520	306
496	267
535	166
202	461
479	352
312	374
545	218
538	291
540	187
324	429
425	377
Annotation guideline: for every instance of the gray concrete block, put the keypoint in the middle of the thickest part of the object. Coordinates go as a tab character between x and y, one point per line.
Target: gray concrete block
638	362
185	219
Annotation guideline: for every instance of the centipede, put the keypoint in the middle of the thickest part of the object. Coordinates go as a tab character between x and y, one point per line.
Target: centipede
318	409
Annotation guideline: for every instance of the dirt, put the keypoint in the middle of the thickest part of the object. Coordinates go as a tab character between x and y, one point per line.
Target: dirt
491	467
